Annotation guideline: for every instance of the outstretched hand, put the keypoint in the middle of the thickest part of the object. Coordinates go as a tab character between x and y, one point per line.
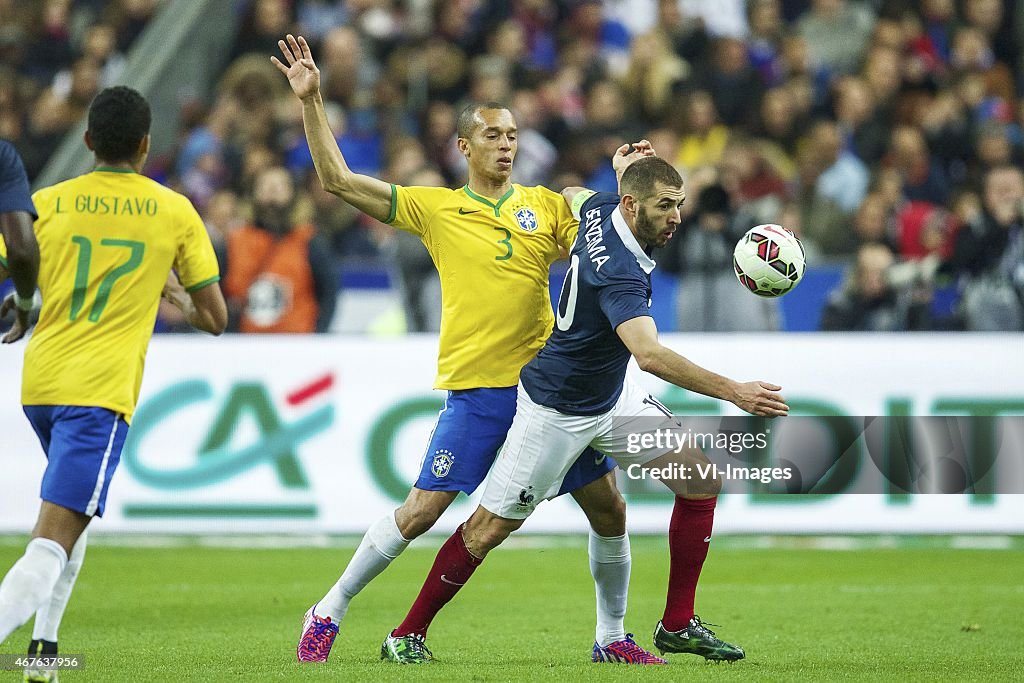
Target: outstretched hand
302	73
760	398
623	157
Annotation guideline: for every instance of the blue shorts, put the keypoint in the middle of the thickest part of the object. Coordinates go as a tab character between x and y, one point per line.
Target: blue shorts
82	446
469	432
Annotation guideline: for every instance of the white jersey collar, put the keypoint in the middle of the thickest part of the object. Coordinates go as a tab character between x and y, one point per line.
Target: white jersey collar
629	239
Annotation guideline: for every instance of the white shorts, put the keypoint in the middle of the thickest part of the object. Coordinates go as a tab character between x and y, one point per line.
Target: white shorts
542	445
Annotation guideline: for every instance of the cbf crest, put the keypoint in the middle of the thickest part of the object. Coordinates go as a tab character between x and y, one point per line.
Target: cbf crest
443	461
526	218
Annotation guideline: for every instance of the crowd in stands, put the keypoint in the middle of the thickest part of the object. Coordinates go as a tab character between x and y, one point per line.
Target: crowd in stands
888	135
55	55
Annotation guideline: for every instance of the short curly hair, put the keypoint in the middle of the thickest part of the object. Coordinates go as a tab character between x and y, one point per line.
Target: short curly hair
119	118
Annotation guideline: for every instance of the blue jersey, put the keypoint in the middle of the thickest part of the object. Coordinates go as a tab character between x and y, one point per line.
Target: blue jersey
581	369
14	191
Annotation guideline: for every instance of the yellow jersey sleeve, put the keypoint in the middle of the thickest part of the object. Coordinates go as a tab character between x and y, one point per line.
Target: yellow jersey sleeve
3	257
412	207
561	216
195	259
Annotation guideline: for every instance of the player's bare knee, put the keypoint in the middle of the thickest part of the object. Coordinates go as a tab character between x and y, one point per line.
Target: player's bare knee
603	505
414	521
609	518
702	488
707	482
485	531
420	512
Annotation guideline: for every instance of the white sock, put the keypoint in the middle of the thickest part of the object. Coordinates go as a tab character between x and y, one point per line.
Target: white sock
50	614
29	583
382	543
610	564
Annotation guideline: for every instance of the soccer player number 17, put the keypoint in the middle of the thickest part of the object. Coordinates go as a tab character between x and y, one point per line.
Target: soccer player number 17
137	249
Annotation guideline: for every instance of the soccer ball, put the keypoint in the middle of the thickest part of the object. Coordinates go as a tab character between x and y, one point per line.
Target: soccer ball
769	260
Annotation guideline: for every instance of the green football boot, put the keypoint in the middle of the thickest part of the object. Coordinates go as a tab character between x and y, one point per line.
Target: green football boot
696	639
408	649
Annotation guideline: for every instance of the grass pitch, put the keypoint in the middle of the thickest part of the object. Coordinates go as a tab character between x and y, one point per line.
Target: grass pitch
924	610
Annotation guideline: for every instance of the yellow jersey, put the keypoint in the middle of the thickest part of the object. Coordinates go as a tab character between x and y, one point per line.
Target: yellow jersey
107	241
493	258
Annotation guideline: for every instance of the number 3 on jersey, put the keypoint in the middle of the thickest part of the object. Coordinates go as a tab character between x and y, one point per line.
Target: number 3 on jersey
566	312
505	242
137	249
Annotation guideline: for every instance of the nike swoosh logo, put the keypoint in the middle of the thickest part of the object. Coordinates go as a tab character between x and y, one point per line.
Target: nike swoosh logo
598	461
451	583
707	539
462	212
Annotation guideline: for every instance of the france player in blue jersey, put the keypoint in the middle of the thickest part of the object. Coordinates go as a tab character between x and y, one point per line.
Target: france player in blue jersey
16	215
575	394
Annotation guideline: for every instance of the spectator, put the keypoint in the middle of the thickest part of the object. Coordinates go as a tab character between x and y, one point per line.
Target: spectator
347	69
50	39
263	24
418	282
844	178
654	70
732	82
837	32
924	230
536	156
704	138
709	297
279	275
686	32
765	43
753	185
129	18
56	112
822	223
988	256
924	97
923	179
883	73
865	132
868	302
989	17
874	223
972	53
939	17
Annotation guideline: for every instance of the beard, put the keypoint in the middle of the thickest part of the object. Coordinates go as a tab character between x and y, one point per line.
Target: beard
273	218
647	232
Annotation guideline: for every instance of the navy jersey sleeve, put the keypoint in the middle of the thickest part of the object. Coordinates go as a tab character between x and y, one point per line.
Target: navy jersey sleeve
623	298
596	201
14	190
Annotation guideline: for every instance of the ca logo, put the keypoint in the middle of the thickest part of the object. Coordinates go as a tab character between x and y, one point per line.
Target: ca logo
276	446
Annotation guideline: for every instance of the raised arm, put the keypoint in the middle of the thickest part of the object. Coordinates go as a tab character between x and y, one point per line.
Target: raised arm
641	338
623	157
369	195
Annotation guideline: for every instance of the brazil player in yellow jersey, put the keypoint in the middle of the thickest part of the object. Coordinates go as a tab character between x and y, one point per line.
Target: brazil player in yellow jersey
493	243
108	241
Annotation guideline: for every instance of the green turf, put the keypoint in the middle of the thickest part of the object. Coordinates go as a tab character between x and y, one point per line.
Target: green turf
196	613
